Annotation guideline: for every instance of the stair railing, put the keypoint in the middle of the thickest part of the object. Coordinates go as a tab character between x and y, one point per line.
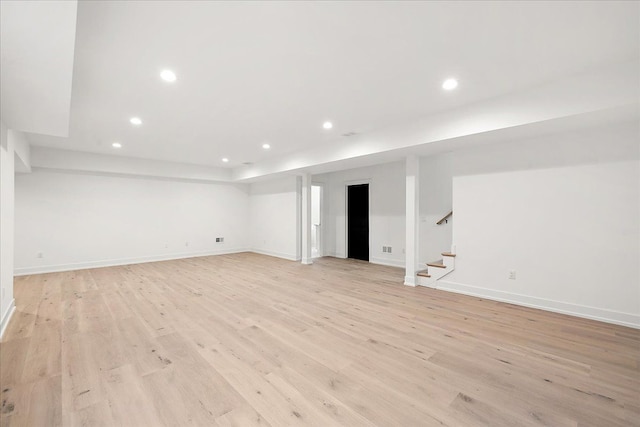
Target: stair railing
445	218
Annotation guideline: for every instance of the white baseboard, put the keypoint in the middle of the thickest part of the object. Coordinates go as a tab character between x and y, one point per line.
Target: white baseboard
333	255
373	260
389	262
409	281
6	317
23	271
290	257
601	314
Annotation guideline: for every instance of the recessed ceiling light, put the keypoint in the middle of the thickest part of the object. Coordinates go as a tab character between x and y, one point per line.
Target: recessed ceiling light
224	159
266	146
135	121
327	125
116	145
450	84
168	76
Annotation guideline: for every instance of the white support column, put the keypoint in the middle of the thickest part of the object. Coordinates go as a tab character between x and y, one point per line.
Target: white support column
306	219
7	212
412	219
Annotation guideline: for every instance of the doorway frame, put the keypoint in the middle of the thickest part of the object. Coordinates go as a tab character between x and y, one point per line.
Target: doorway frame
346	186
322	218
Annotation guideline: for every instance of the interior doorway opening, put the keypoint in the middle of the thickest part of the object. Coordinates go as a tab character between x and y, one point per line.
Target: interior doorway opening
358	221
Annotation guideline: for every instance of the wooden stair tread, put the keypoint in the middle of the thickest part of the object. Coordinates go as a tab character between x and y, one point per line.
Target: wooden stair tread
423	273
438	264
448	254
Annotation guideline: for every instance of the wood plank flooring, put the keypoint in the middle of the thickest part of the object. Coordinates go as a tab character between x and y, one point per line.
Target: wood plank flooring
246	339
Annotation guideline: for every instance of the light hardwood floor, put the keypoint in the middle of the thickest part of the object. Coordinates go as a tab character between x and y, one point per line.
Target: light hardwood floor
246	339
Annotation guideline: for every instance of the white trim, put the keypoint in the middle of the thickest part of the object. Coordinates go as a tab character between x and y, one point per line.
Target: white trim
389	262
410	281
7	317
334	255
290	257
320	234
23	271
610	316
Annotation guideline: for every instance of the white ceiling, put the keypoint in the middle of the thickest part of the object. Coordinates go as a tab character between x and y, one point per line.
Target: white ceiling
36	49
269	71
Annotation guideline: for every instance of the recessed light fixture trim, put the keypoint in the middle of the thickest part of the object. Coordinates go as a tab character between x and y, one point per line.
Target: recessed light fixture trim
168	76
327	125
450	84
224	159
116	145
266	146
136	121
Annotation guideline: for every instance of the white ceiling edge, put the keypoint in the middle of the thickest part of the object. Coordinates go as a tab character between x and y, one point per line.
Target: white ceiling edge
53	159
78	161
37	47
21	149
625	117
602	90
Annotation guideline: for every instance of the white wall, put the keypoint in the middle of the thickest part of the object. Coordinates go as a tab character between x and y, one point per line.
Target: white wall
85	220
6	226
563	212
436	200
275	217
386	211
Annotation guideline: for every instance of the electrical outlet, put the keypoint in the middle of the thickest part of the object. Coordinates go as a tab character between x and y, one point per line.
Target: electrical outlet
186	243
512	274
39	255
219	239
388	249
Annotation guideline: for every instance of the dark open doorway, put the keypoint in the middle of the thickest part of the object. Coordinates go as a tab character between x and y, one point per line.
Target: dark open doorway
358	221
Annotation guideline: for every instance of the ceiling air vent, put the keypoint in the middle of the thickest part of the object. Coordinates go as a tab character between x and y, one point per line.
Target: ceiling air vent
247	163
348	134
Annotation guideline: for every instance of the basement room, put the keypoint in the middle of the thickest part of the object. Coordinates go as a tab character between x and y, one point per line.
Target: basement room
319	213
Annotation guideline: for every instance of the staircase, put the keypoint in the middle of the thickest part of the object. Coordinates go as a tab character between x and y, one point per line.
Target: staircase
437	269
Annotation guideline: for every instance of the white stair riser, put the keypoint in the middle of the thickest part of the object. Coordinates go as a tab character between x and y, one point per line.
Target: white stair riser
426	281
437	273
